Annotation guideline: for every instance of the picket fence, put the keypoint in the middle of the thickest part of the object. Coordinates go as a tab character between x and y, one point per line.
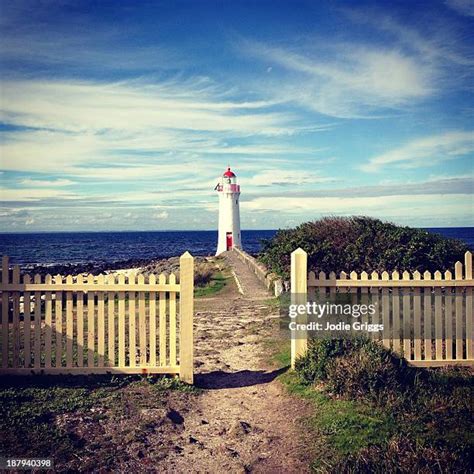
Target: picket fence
428	319
97	324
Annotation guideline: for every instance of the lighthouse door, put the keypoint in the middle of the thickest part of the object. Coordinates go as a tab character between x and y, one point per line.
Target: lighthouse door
229	240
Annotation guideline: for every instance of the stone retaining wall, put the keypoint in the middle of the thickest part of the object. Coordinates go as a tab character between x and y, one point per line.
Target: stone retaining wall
271	280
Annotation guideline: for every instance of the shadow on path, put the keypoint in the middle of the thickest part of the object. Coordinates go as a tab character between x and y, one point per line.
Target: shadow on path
245	378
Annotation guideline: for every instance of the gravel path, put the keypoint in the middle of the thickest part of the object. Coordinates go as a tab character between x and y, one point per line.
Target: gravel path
243	422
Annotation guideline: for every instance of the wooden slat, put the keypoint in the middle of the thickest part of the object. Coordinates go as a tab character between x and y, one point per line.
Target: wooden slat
468	266
100	323
322	291
173	333
5	304
396	313
469	325
469	310
58	322
111	322
311	286
407	320
80	325
162	312
37	328
142	323
459	310
132	325
354	300
332	289
427	318
386	313
69	324
364	296
121	323
152	316
374	292
448	317
16	319
416	318
48	324
343	276
353	290
438	296
90	323
27	323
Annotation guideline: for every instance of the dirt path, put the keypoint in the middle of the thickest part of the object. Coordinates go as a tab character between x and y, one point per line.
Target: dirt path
243	422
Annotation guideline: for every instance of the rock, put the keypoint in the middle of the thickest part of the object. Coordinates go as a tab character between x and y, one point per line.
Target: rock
241	428
153	413
175	417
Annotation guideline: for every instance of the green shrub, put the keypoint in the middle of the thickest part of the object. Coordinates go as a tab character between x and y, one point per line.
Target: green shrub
353	368
361	244
430	408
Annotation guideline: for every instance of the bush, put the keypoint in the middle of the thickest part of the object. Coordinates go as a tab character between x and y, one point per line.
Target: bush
203	272
430	409
361	244
354	368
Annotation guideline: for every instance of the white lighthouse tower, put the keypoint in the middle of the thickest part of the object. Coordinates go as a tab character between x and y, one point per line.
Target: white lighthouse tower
229	215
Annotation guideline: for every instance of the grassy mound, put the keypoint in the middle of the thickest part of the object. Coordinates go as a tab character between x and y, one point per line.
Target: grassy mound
361	244
379	415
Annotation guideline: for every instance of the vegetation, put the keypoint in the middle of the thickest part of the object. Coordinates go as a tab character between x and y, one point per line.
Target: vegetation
215	284
361	244
373	413
70	418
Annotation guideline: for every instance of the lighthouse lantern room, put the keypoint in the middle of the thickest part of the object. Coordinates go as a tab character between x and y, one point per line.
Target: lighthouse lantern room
229	215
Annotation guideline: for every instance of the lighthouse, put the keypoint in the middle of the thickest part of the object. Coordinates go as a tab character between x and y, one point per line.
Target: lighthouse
229	215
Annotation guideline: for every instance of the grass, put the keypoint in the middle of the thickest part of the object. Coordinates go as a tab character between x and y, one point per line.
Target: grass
217	282
418	420
64	418
346	426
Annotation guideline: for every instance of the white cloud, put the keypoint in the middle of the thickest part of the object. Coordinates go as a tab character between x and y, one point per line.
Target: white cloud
73	125
425	151
32	194
46	183
162	215
88	106
397	207
464	7
357	81
285	177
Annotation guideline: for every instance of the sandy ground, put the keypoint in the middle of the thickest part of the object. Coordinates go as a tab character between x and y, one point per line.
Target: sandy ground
243	421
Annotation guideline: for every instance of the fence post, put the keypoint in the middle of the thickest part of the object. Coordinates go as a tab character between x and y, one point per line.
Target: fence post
186	301
299	291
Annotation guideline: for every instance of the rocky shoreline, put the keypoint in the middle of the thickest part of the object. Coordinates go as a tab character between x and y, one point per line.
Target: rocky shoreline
145	266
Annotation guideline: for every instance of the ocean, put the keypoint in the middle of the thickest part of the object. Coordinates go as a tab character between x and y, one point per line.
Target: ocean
107	247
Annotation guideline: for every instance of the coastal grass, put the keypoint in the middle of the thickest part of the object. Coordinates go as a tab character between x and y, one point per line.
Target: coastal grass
216	283
371	412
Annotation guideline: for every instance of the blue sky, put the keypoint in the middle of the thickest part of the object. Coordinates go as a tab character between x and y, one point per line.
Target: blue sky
121	115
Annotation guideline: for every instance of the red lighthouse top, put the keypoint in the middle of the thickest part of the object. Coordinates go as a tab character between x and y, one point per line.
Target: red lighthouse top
229	173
